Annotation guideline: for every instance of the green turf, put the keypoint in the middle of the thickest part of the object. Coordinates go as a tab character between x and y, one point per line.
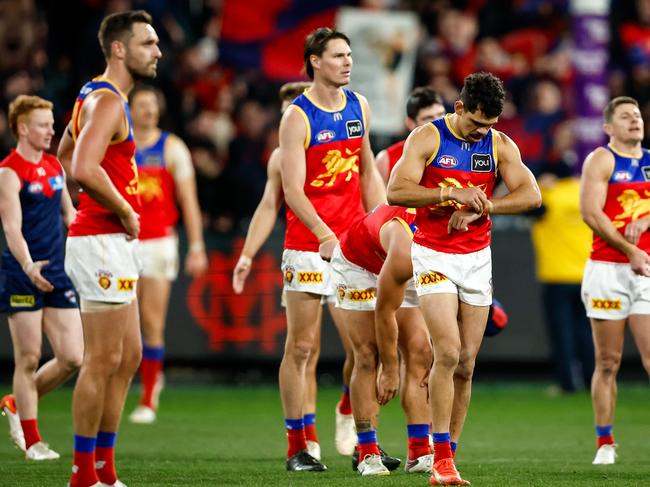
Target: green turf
222	436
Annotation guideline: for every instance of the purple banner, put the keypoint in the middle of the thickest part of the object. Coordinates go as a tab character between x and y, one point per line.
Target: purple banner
590	57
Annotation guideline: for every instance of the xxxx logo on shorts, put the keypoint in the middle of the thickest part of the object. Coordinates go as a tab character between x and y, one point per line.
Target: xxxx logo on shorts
289	272
430	278
104	279
22	300
606	304
124	284
359	295
310	277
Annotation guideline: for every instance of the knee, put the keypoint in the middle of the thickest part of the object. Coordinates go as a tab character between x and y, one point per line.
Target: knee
418	357
447	357
71	362
465	369
299	350
608	364
104	363
365	358
130	360
28	361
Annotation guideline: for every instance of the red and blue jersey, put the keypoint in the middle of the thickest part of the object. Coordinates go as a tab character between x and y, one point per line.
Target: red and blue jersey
361	244
41	185
456	163
119	164
332	156
158	214
628	199
394	152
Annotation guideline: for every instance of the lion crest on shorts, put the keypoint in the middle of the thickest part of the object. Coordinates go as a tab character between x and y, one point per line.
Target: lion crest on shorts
104	279
340	290
289	273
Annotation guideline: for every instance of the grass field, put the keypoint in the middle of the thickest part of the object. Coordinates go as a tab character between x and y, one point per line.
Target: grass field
516	435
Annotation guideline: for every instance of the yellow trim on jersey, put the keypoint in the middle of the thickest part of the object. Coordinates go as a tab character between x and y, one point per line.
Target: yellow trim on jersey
404	224
435	152
625	154
344	101
73	125
126	120
446	118
363	110
112	83
307	124
495	151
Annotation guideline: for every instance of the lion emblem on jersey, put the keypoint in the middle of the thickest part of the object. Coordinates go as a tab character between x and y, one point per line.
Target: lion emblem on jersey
150	188
440	208
633	206
336	164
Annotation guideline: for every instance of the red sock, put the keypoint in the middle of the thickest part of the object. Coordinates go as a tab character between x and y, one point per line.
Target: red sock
441	450
344	403
83	470
149	372
310	433
602	440
297	441
368	449
30	430
105	465
418	447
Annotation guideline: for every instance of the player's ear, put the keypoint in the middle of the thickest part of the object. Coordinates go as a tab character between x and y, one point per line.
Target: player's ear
608	129
459	107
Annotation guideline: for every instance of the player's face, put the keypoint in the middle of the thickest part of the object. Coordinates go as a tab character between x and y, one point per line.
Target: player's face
473	126
38	129
144	109
626	124
142	52
335	65
426	115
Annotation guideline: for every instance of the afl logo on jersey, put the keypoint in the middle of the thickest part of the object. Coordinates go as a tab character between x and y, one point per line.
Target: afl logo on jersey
354	129
325	136
34	188
447	161
481	163
623	176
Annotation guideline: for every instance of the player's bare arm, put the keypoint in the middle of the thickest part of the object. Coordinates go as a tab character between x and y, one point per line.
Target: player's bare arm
262	222
373	189
65	150
404	187
391	284
12	221
597	170
102	120
178	155
382	163
523	191
293	169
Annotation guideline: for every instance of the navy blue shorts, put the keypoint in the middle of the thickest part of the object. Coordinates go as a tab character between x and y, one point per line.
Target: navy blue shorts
17	293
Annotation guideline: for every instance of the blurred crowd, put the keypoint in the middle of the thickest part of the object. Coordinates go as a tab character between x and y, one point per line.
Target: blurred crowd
228	116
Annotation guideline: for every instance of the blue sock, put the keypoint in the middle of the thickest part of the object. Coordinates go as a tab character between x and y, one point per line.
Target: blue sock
441	437
366	437
604	430
84	444
453	445
309	419
294	424
152	353
417	430
106	439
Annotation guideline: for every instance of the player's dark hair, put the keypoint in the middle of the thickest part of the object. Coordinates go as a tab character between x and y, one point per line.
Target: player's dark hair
421	97
145	88
119	27
614	103
316	43
289	91
483	91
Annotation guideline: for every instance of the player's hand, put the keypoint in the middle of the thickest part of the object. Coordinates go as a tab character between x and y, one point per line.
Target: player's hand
130	221
327	248
460	220
239	275
635	229
474	197
640	262
33	271
196	262
387	384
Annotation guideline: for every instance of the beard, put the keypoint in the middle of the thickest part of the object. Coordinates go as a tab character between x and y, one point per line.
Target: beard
139	71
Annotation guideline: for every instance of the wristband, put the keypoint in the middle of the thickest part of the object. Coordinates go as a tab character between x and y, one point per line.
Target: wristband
323	233
244	261
196	247
27	265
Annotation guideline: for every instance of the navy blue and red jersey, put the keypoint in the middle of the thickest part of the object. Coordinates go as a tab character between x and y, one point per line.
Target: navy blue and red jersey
457	163
332	156
41	185
628	199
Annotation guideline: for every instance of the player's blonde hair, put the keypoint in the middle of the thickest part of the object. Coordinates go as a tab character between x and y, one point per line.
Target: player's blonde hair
289	91
22	106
